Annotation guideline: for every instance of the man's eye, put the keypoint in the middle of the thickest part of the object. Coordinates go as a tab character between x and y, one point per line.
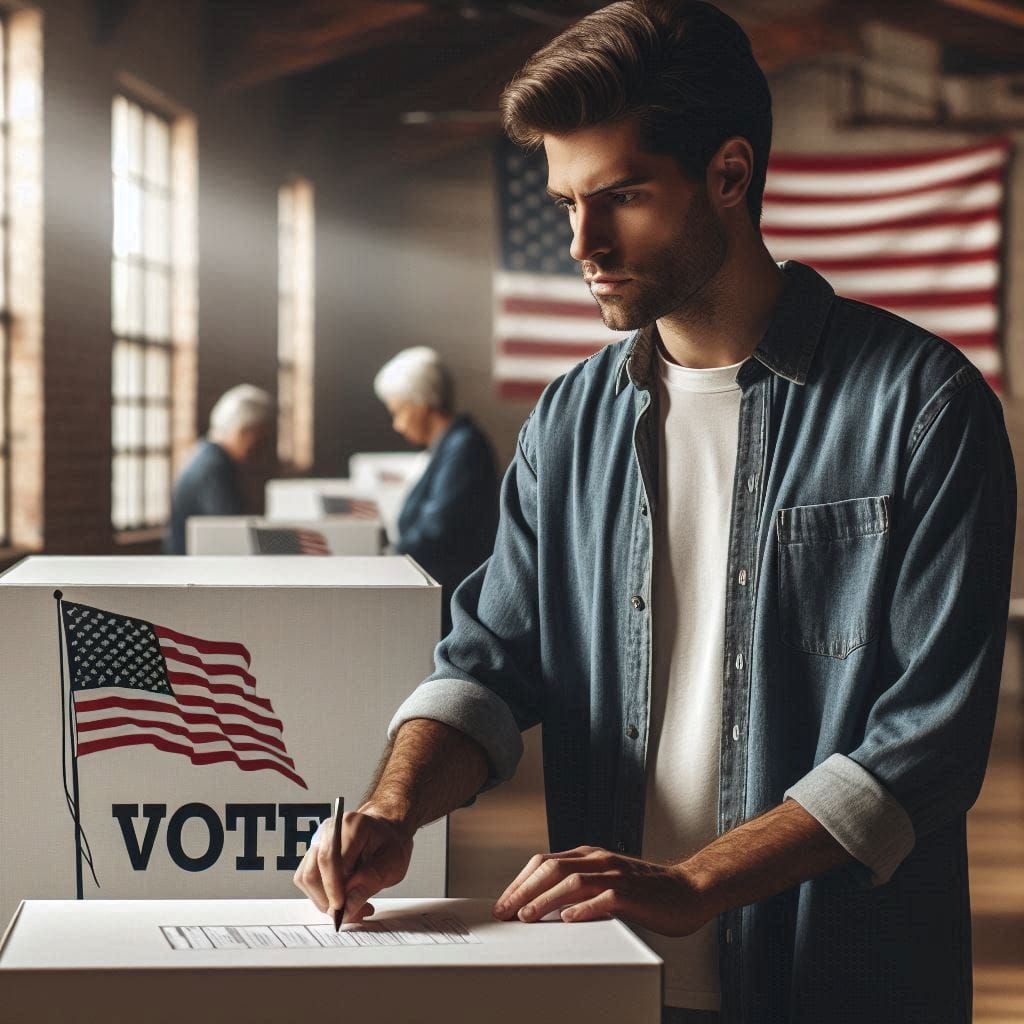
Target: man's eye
565	204
623	198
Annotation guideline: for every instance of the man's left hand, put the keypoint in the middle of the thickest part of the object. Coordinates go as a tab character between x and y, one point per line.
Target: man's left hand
589	883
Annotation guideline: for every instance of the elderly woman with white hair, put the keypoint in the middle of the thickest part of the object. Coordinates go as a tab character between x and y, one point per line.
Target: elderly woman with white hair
450	518
208	485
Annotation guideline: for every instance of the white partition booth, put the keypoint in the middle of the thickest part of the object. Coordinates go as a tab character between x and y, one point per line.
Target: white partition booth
251	535
218	706
317	497
375	469
421	961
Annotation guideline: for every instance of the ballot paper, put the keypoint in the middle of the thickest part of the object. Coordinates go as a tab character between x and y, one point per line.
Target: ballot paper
418	930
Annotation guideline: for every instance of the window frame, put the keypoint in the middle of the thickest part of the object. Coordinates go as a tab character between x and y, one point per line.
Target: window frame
140	455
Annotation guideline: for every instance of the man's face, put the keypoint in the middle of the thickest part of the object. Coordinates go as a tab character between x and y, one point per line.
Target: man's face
647	238
411	420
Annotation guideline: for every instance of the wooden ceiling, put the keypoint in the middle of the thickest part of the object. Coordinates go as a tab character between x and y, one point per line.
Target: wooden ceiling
365	65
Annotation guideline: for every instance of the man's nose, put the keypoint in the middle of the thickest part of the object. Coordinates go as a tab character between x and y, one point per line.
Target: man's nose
590	238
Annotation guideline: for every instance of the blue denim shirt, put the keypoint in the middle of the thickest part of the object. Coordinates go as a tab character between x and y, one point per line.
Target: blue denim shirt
868	581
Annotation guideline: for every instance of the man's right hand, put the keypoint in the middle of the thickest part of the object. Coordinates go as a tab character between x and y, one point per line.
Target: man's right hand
372	853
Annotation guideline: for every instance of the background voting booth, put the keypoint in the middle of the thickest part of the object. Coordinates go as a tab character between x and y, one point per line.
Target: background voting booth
314	498
221	704
423	961
250	535
378	469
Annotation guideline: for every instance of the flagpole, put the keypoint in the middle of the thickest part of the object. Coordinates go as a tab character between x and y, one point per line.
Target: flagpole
70	715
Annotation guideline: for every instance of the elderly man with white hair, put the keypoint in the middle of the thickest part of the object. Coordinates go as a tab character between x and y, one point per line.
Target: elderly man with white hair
450	518
208	485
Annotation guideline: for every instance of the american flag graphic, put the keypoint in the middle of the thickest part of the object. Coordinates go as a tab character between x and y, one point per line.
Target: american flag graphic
135	683
918	234
276	540
358	508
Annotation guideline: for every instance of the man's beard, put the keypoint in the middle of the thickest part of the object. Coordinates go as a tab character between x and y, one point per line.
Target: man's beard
675	275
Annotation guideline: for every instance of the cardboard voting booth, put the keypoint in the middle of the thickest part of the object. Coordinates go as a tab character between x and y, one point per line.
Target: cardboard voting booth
218	706
250	535
315	497
377	469
420	961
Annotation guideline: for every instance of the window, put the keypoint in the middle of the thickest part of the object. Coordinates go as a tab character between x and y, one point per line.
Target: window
142	286
295	325
5	376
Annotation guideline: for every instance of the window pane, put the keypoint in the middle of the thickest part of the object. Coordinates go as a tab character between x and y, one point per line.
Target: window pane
133	371
158	150
285	329
119	136
158	373
134	139
127	218
133	506
158	228
157	486
158	306
158	427
119	492
135	279
119	299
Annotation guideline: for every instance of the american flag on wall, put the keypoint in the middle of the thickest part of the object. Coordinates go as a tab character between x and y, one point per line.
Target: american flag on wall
918	234
135	683
545	319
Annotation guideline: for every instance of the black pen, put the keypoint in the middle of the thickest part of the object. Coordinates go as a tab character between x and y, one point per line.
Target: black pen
339	812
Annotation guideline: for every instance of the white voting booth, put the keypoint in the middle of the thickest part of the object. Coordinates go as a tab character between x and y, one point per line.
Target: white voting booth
376	469
385	479
251	535
221	704
420	961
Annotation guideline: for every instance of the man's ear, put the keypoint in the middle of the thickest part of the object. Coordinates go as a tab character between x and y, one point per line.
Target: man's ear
729	173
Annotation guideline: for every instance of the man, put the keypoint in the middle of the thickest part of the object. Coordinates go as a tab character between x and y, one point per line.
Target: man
208	485
450	516
751	574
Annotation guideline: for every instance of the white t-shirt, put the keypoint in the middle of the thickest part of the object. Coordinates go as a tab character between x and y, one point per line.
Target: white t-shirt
699	411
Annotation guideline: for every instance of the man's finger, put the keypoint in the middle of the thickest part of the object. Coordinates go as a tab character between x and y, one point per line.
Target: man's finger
307	879
328	862
360	887
552	869
599	908
576	888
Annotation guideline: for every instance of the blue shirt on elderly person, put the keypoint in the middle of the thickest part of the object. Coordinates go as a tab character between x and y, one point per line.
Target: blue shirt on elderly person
207	486
450	517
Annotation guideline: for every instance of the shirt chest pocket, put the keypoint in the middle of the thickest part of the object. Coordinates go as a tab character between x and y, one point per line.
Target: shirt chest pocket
831	565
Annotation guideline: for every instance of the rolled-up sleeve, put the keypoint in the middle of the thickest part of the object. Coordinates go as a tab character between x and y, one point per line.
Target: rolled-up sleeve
924	751
487	675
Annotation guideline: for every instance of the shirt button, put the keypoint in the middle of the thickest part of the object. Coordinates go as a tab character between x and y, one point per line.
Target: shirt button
632	732
743	577
638	602
620	846
735	733
751	484
739	661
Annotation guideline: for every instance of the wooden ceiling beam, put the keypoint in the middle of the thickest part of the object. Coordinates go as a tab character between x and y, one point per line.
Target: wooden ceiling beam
256	42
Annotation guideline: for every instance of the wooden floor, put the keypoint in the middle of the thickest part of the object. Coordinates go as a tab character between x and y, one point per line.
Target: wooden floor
492	840
995	836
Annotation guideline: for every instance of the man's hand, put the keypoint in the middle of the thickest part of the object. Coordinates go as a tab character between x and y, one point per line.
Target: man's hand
344	871
588	883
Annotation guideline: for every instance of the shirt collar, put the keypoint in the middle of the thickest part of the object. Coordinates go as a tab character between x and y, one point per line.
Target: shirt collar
787	348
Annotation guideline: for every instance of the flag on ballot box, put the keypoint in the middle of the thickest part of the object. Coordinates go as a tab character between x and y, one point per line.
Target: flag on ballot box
285	541
136	683
919	234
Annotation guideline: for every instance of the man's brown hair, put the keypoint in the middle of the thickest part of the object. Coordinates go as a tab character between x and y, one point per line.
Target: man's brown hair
683	70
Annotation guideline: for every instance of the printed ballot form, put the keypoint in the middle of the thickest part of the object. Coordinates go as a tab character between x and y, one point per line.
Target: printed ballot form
415	961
